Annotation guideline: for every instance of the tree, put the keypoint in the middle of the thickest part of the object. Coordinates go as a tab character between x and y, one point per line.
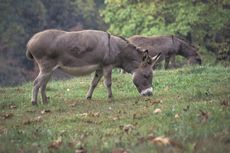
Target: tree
197	20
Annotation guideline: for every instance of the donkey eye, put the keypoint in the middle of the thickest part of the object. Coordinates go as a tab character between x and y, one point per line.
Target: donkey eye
146	75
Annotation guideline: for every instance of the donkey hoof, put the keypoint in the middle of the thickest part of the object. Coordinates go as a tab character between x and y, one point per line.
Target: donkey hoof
34	103
45	101
110	97
88	97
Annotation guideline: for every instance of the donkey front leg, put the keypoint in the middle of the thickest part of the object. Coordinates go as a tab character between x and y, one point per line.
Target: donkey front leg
107	72
96	79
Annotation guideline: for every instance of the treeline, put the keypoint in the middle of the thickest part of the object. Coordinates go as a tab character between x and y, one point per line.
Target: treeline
203	22
20	19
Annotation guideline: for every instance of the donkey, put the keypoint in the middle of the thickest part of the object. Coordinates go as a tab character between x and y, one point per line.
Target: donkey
83	52
169	46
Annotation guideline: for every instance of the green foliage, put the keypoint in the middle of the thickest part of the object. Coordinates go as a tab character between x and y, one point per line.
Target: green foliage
71	122
199	21
19	20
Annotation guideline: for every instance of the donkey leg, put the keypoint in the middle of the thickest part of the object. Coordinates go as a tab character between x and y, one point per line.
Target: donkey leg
173	61
40	81
167	58
36	89
107	72
96	79
43	88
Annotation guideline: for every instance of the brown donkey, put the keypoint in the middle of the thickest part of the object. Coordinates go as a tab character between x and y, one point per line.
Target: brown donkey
83	52
169	46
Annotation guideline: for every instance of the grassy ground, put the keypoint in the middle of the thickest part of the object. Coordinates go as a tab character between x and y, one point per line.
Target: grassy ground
189	112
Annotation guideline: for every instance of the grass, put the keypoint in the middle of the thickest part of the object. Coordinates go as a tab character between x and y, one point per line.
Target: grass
194	104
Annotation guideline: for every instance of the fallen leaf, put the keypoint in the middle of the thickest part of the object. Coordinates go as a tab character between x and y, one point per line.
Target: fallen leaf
153	102
204	115
36	119
119	150
82	115
177	116
12	106
80	148
128	128
7	115
80	151
165	141
73	104
94	114
115	118
45	111
56	144
158	110
161	141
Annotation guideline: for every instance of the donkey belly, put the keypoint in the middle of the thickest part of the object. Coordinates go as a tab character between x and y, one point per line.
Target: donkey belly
79	71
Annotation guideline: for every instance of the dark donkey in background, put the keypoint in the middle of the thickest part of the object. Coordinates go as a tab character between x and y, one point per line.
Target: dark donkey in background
169	46
83	52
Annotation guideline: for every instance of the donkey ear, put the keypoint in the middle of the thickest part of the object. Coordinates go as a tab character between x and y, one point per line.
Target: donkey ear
145	55
155	59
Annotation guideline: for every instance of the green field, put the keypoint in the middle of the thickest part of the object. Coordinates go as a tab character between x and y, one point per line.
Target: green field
189	112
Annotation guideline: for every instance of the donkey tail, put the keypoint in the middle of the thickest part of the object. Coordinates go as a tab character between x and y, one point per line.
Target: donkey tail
29	55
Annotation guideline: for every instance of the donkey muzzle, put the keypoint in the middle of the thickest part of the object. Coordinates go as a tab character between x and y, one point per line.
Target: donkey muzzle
147	92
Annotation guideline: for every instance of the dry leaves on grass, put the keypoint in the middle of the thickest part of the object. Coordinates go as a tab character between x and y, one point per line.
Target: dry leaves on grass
163	141
89	114
127	128
81	150
35	120
119	150
153	102
12	106
204	115
80	147
177	116
56	144
157	111
7	115
45	111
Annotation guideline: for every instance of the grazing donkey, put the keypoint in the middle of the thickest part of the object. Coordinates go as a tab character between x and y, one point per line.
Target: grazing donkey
83	52
169	46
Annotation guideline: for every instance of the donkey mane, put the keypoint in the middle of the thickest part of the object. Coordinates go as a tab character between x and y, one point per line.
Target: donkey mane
185	41
129	43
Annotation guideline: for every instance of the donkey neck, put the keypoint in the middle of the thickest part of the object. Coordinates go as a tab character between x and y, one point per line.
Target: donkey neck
186	49
129	57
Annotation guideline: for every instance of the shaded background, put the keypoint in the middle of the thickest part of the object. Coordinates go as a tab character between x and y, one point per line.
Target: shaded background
206	23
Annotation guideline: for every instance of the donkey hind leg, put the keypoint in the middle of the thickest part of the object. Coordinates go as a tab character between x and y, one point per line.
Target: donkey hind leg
40	81
107	72
173	61
96	79
43	88
167	58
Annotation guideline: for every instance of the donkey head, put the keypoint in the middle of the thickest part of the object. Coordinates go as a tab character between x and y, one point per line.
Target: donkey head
143	75
189	51
195	60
